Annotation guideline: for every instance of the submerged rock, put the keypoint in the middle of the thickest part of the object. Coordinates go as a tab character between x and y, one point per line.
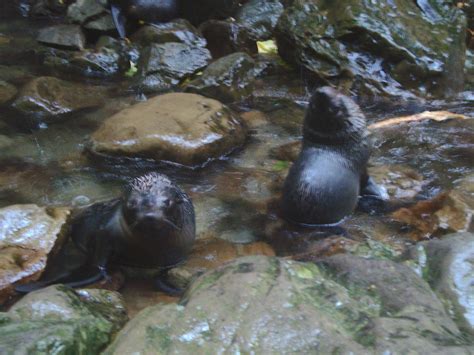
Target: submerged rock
59	320
184	128
28	233
228	79
165	65
63	36
260	17
48	96
377	48
448	266
180	31
226	37
273	305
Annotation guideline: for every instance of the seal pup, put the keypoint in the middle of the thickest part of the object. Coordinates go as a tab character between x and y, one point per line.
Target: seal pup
324	183
151	226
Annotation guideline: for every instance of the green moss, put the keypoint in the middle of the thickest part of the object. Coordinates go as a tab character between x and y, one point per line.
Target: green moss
160	337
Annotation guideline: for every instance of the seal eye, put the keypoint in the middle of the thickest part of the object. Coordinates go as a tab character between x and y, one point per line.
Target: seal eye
167	203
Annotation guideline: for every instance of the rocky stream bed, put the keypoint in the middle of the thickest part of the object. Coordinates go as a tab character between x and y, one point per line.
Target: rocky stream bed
215	99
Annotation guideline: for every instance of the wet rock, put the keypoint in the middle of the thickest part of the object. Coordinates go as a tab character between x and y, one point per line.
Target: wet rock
7	92
180	31
91	14
393	39
28	234
198	12
49	8
399	180
58	319
63	36
228	79
268	304
445	213
15	74
183	128
48	96
260	17
411	318
227	37
448	266
287	152
162	66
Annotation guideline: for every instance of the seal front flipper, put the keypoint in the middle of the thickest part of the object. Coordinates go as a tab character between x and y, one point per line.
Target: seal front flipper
162	284
118	19
368	187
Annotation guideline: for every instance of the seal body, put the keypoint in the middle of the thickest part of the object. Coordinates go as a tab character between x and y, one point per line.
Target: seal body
151	226
323	185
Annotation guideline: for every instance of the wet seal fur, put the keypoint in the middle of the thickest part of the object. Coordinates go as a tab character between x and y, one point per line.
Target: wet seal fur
151	226
324	183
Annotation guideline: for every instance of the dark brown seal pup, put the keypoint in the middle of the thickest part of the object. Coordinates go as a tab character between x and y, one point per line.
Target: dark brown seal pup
323	185
152	226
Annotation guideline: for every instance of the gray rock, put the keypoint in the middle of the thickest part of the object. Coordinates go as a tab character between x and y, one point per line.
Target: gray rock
58	320
63	36
272	305
163	66
227	37
260	17
392	38
180	31
187	129
448	265
228	79
28	233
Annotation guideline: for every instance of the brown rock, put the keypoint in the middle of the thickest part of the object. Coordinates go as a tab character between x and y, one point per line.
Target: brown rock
187	129
28	233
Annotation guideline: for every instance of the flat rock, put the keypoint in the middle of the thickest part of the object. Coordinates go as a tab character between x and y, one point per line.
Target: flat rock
63	36
187	129
228	79
57	319
28	233
264	304
48	96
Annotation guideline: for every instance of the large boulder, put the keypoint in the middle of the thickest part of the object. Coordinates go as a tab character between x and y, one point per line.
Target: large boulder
187	129
448	265
28	233
270	305
59	320
378	48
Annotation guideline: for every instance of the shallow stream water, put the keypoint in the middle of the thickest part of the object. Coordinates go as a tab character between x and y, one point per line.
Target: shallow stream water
235	198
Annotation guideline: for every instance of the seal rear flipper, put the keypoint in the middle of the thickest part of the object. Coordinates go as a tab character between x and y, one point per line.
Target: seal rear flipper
162	284
118	19
36	285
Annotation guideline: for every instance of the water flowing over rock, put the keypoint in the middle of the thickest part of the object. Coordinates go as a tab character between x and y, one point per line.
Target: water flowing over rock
377	48
165	65
59	320
448	265
187	129
227	79
63	36
48	96
271	305
28	233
